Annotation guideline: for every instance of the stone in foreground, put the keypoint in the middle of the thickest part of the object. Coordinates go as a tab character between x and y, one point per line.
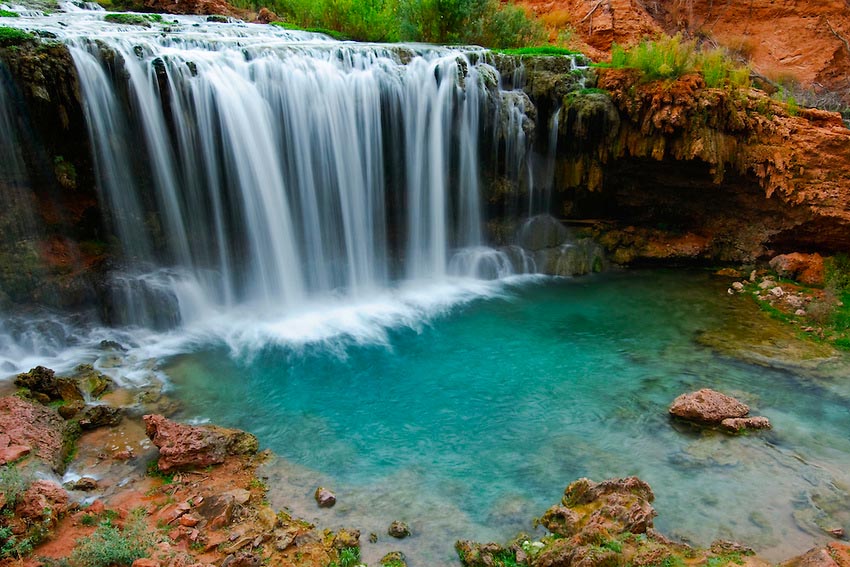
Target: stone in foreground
324	497
181	445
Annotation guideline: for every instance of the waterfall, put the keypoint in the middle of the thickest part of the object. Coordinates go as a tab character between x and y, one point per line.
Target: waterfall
243	165
269	168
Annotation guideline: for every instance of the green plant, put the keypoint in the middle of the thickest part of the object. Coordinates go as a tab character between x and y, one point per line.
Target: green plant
88	520
110	546
613	545
347	557
13	546
153	470
12	484
8	14
14	36
127	19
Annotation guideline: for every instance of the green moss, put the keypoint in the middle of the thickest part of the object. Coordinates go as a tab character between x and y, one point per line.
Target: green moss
14	36
128	19
8	14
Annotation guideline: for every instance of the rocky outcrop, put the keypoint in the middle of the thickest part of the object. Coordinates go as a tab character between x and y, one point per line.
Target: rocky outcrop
703	174
833	555
181	445
711	407
27	427
804	268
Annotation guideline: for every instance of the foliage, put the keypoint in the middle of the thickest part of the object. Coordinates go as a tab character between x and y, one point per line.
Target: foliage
334	34
672	57
489	23
8	14
348	557
12	484
13	546
144	20
110	546
14	36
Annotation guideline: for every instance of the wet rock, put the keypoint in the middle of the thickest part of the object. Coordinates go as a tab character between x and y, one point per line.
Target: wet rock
346	538
99	416
723	547
92	382
182	445
480	554
68	390
28	424
324	497
86	484
39	380
69	410
399	530
393	559
373	537
738	424
707	406
561	521
804	268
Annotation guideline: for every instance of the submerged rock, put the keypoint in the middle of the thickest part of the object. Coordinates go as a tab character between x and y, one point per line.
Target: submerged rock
399	530
393	559
182	445
324	497
100	416
710	407
707	406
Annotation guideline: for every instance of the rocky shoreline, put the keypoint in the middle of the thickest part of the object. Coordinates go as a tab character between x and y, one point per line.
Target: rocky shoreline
197	496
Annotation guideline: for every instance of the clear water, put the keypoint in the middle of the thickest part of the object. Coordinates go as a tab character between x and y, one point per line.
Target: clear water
473	422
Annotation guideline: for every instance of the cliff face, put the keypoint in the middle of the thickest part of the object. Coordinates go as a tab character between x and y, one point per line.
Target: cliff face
784	40
704	173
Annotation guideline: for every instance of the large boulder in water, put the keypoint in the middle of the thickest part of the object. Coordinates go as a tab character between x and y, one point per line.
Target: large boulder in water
181	445
707	406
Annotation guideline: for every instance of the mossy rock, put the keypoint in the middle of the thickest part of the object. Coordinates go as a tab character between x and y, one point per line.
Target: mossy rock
129	19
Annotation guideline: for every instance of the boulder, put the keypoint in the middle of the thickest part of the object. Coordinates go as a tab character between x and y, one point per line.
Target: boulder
804	268
393	559
399	530
39	380
707	406
40	428
182	445
346	538
324	497
92	382
738	424
833	555
100	416
43	501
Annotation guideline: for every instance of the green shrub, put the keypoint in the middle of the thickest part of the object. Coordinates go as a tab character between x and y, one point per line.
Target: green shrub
144	20
13	546
13	484
14	36
545	50
672	57
109	546
486	22
8	14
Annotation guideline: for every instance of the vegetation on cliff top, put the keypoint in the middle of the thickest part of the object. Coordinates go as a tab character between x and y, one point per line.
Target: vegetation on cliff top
672	57
144	20
484	22
13	36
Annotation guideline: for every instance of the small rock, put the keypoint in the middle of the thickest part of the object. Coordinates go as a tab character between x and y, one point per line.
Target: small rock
728	273
737	424
324	497
267	518
777	291
189	520
85	484
766	284
123	455
346	538
738	286
399	530
71	409
100	416
837	533
800	312
373	537
394	559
